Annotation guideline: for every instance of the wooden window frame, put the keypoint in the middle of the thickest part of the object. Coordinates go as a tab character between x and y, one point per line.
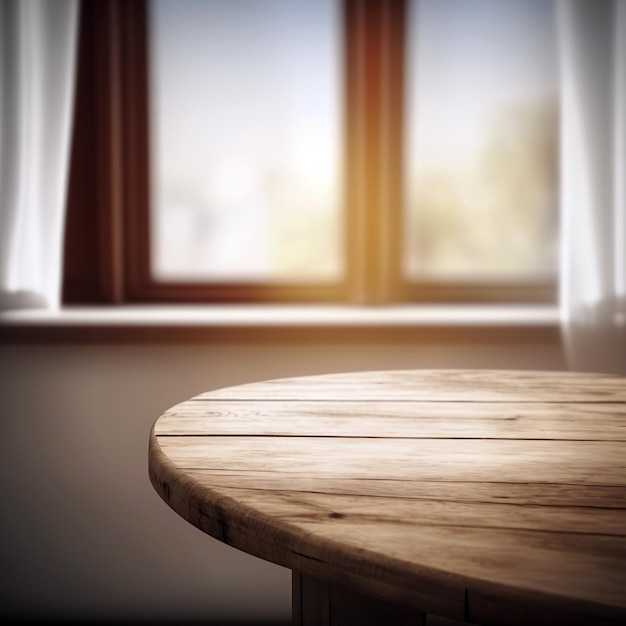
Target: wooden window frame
107	251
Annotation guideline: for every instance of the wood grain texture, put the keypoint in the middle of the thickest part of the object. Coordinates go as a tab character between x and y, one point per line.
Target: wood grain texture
322	603
495	497
436	385
456	420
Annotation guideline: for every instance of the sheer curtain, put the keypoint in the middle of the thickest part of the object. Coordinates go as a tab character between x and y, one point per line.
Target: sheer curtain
593	180
37	58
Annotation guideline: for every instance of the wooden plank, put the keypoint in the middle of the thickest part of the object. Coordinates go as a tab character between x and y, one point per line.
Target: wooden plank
349	607
436	385
432	563
494	497
514	420
341	509
486	460
586	567
520	493
315	601
324	603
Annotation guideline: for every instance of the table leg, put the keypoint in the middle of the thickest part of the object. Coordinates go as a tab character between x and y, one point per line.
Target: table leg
317	602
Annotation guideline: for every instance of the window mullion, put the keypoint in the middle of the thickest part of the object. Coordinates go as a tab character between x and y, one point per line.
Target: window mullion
374	52
390	238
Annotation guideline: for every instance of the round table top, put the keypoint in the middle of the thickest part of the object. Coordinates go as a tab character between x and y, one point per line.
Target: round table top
490	496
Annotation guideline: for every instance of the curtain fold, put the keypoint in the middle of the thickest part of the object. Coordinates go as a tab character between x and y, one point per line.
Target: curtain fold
593	183
38	41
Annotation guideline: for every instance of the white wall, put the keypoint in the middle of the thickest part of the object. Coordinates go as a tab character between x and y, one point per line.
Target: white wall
83	533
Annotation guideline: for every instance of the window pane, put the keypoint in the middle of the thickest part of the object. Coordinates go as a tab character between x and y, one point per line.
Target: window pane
481	143
245	140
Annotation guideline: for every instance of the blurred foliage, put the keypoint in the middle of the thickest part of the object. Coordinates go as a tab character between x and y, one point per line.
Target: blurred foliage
498	215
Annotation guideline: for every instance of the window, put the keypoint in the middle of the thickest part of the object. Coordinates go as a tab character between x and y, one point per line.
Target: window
245	134
481	139
365	151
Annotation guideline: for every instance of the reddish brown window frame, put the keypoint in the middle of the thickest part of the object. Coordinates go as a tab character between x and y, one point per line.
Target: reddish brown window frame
107	251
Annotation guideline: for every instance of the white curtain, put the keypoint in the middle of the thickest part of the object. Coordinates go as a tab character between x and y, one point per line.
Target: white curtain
592	37
37	66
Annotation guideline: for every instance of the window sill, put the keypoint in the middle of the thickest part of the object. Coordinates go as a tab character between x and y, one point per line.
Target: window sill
283	323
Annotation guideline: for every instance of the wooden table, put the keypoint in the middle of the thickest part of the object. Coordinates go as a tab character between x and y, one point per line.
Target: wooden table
493	497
